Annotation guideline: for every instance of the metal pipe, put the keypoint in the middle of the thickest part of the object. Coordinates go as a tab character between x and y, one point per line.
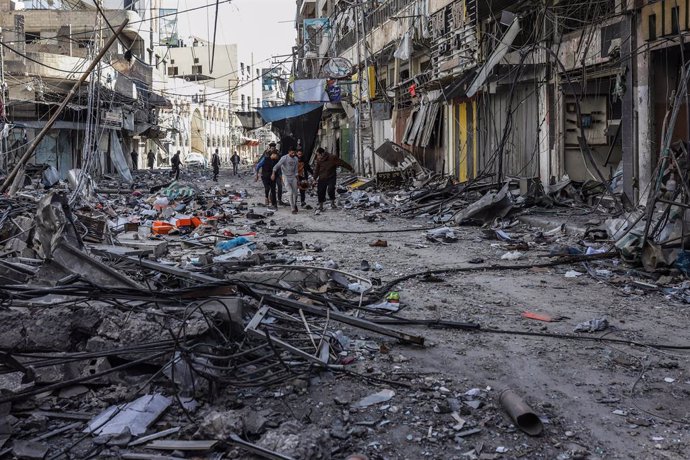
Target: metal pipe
520	413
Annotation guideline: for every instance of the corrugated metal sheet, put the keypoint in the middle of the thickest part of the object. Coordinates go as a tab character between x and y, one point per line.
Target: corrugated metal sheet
521	154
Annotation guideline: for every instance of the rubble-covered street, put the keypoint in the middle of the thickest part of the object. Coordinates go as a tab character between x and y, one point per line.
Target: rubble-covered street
355	331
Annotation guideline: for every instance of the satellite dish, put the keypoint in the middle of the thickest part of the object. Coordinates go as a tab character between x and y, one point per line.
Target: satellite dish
337	67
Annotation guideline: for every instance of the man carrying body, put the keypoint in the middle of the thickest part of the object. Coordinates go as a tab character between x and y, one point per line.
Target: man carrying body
235	160
303	172
289	167
325	173
150	158
265	167
176	162
215	163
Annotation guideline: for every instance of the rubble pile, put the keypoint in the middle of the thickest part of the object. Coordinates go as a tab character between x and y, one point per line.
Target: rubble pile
157	300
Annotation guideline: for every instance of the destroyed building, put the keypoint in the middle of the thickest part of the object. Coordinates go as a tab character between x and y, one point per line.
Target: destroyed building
501	88
38	45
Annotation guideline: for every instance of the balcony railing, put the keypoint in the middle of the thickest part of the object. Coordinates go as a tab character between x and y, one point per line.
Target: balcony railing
372	19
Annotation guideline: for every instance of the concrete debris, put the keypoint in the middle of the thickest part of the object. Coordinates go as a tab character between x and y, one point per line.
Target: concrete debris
181	318
134	417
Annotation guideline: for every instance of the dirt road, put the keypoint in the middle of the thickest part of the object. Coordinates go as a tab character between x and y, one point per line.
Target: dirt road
597	400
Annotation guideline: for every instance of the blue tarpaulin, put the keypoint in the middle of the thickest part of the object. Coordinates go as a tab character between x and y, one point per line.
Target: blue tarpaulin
271	114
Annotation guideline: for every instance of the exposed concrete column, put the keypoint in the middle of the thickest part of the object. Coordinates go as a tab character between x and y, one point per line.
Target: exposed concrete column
544	127
643	110
628	132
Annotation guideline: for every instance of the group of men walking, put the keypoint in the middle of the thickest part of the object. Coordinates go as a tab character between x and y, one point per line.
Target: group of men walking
293	171
290	170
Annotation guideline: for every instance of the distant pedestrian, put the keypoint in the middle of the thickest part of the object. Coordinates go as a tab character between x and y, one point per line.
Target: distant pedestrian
176	162
215	163
150	158
289	166
235	160
325	173
135	160
265	168
303	173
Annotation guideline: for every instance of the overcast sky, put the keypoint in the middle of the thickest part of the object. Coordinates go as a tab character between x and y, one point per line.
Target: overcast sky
265	27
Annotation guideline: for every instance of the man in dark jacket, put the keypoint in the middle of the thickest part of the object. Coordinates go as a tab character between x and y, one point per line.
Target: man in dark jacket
215	163
135	160
235	160
176	162
265	168
150	158
325	173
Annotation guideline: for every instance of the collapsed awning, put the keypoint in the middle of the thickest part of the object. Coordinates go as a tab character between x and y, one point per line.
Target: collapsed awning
271	114
250	120
495	57
163	147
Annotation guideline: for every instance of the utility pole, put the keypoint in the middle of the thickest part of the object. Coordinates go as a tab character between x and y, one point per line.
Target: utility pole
358	114
371	118
4	161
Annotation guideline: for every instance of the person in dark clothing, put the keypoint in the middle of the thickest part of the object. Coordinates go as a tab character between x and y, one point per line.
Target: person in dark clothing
150	158
235	160
176	162
265	168
215	163
135	160
304	171
326	176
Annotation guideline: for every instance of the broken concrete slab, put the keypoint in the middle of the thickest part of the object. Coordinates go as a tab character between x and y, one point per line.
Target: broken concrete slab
135	416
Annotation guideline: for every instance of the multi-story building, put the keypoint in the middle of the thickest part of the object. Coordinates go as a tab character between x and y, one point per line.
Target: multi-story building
499	88
274	85
228	77
45	50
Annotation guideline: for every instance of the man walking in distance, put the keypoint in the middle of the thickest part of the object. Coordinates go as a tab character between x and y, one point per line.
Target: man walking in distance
215	163
135	160
176	162
289	166
265	167
235	160
150	158
325	173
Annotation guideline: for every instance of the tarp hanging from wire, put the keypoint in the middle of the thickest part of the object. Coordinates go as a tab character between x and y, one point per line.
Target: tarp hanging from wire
299	130
250	120
117	156
271	114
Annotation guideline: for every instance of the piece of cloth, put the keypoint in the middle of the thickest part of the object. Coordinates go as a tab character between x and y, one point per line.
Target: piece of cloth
291	185
265	166
326	186
288	165
310	90
327	167
270	189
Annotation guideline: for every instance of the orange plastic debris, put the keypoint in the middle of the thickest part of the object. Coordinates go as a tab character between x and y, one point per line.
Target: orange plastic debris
537	316
160	227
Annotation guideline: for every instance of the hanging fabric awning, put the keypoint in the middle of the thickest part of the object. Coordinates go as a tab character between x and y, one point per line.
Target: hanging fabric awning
271	114
250	120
